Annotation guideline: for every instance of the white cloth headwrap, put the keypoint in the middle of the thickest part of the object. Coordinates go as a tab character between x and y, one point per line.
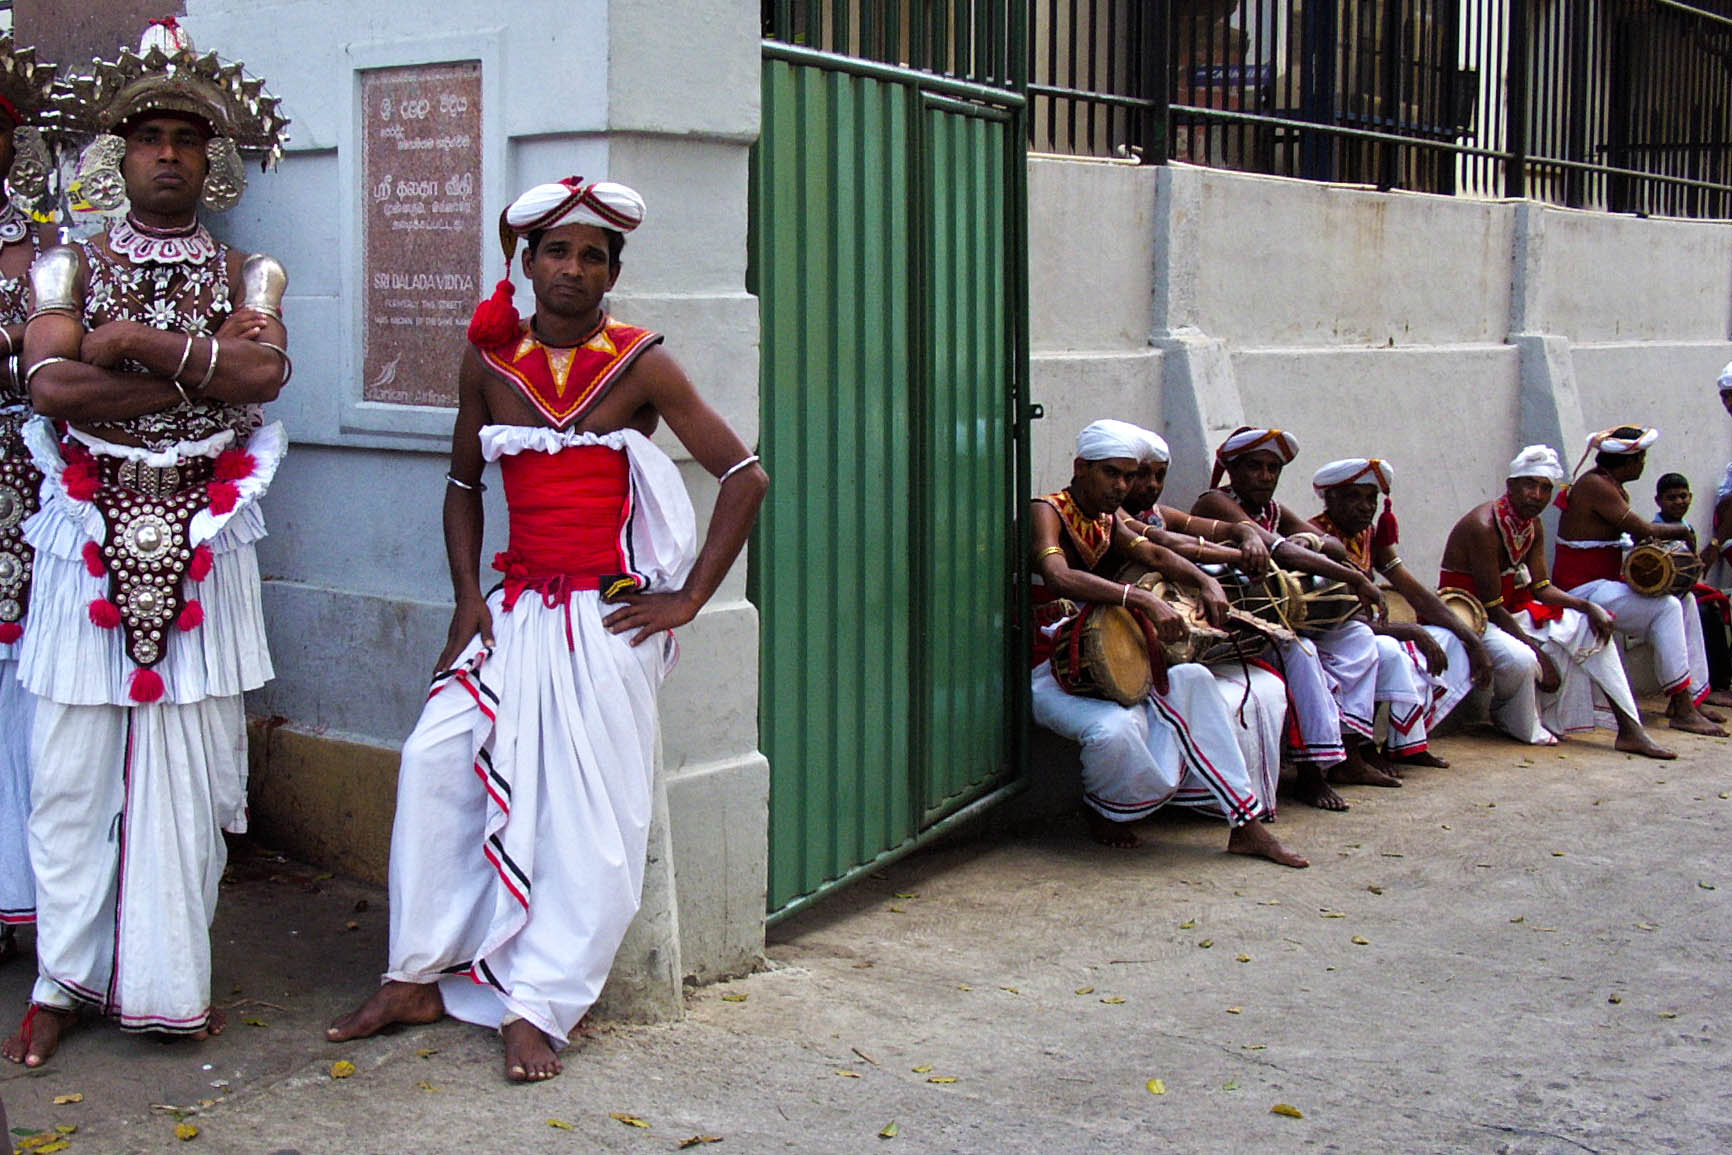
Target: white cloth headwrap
1537	461
1726	378
603	204
1604	442
1354	471
1109	438
1157	449
1245	440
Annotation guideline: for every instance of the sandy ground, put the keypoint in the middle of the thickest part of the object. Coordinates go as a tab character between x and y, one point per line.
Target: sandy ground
1519	954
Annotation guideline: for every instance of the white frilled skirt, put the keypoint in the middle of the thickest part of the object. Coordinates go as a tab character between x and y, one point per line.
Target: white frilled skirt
523	812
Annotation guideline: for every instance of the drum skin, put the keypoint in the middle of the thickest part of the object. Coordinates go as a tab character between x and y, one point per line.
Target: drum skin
1102	653
1658	568
1459	602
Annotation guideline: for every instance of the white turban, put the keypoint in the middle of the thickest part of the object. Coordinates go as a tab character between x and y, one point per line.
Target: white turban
1108	438
1156	449
1726	378
1354	471
1245	440
1537	461
1605	442
570	202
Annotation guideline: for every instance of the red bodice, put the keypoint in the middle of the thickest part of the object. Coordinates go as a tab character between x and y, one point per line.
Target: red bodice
1576	567
568	513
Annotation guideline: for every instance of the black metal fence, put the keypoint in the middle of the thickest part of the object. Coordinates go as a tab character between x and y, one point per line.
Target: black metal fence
965	39
1615	104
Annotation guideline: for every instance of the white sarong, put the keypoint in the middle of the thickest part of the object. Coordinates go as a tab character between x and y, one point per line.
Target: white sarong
17	884
1314	729
128	801
1349	655
524	799
1418	699
1586	667
1175	749
1515	703
1259	721
1672	629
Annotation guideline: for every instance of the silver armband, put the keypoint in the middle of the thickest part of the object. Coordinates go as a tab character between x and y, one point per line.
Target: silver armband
263	283
54	283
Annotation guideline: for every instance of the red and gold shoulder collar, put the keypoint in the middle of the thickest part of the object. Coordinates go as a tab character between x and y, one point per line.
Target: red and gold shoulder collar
1358	545
1092	536
565	382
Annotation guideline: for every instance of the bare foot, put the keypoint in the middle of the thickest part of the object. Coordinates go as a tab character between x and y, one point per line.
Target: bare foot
1695	723
38	1035
1422	758
529	1058
394	1002
1721	698
1314	790
1374	758
1638	742
1356	771
1109	833
215	1023
1254	840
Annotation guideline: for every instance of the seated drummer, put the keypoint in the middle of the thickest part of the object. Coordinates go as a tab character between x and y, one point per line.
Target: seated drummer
1424	668
1672	497
1177	746
1549	649
1596	518
1334	734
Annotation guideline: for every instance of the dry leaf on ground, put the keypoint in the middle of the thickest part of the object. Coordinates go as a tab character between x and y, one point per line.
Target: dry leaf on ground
1288	1110
342	1069
63	1100
628	1119
1156	1087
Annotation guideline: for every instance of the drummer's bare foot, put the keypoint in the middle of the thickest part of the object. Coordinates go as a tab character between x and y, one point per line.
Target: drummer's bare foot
394	1002
38	1035
1313	789
1684	716
215	1023
1721	698
1354	770
1422	758
1711	715
1253	840
529	1057
1109	833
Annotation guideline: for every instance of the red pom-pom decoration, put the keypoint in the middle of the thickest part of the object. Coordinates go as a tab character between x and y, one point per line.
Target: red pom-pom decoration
146	686
224	496
234	464
10	632
495	320
104	614
1388	532
191	617
199	567
80	480
93	559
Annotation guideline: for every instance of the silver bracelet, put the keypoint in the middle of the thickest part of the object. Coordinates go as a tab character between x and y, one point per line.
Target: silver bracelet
181	389
288	362
10	347
1126	595
736	467
477	487
31	372
209	370
181	368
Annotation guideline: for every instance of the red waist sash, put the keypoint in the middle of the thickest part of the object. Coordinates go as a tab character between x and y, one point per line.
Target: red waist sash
1577	567
568	512
1515	598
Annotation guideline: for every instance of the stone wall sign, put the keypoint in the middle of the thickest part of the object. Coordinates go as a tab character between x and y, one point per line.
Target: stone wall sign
421	228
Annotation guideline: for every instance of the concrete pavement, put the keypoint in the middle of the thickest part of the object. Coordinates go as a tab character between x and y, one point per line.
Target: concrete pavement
1524	953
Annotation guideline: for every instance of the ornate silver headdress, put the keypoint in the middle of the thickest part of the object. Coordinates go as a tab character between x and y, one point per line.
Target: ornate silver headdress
27	90
167	75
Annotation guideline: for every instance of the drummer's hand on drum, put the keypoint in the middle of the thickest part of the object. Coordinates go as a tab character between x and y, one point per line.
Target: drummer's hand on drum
1169	624
1600	621
1371	598
1214	600
1253	554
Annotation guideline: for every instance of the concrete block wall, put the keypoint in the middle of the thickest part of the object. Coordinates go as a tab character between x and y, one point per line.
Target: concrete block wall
1439	333
356	592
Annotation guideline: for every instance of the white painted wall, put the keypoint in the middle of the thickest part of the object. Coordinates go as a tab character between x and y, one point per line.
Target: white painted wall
356	593
1441	334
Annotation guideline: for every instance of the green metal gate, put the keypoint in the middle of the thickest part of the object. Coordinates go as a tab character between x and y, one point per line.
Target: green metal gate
887	255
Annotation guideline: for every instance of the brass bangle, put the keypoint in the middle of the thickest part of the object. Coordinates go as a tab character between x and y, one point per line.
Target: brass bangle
1536	587
1048	552
1494	603
210	369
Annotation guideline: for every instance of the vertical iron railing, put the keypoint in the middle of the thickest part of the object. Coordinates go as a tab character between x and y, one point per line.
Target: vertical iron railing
1613	104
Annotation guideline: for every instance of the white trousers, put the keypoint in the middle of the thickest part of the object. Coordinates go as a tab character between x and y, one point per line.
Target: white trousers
1587	668
523	813
128	806
1418	699
17	884
1349	655
1315	730
1672	629
1259	721
1515	698
1178	749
